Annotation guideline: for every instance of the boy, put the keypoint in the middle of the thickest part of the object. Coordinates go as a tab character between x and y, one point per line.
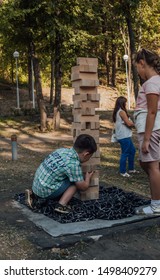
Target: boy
60	174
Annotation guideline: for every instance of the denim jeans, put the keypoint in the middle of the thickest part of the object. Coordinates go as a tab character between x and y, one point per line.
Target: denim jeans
65	185
127	154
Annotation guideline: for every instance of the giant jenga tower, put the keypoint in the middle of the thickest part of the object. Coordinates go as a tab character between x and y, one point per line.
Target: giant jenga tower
85	82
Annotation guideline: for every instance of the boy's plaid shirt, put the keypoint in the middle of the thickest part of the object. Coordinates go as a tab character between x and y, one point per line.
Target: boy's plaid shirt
55	169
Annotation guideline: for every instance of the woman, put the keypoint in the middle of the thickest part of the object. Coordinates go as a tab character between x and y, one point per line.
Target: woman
147	121
123	132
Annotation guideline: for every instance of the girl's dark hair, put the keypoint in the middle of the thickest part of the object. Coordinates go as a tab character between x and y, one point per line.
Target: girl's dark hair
151	58
120	104
85	142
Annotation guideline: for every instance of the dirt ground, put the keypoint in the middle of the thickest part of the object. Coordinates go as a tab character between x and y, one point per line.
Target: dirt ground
19	236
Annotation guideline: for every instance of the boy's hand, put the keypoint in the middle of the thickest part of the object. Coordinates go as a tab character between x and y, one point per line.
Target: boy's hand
84	185
89	174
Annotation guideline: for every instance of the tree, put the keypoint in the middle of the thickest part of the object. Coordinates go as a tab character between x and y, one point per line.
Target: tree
62	30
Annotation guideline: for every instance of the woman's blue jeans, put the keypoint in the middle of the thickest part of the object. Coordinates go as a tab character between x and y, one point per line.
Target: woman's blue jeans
127	154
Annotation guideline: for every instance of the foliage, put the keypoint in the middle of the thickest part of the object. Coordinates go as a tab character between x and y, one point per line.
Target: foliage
87	28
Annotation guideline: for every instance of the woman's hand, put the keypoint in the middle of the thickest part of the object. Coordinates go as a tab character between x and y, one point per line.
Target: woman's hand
145	146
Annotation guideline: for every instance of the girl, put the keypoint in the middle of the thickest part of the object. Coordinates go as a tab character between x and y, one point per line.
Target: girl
147	121
123	133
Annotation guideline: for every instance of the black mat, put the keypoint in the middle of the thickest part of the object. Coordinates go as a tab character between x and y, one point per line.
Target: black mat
113	204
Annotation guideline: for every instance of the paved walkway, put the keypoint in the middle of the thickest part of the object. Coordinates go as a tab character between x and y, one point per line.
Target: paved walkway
70	233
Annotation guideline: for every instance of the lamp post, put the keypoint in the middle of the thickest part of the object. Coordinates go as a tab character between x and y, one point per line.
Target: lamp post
125	58
16	56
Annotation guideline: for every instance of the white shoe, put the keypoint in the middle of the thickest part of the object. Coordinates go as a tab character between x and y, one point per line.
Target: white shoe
133	171
148	211
125	174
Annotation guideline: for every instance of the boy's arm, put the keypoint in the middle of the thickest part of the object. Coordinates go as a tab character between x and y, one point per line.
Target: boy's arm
83	185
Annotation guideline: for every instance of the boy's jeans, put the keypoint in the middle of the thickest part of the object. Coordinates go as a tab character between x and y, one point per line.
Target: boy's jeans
127	153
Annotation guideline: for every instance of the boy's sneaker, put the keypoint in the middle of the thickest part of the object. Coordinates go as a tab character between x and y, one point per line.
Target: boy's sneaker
29	198
125	174
62	208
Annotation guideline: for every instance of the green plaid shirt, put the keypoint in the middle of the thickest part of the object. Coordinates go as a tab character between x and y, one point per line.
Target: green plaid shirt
60	165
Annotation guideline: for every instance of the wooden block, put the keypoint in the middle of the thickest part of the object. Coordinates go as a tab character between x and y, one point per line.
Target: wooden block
76	126
88	68
85	83
75	69
89	83
86	119
89	168
80	128
94	182
94	125
77	104
79	97
93	97
85	104
92	132
83	125
87	95
97	153
90	104
90	193
95	179
92	161
84	111
88	125
87	60
76	132
83	76
80	91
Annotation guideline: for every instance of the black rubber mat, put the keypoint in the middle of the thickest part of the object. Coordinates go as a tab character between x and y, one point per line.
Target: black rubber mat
113	204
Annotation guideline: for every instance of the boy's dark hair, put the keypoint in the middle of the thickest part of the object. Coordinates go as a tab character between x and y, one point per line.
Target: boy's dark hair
85	142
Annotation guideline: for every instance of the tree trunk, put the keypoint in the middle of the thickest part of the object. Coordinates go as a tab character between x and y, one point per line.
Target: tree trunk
132	48
58	80
107	63
29	78
56	119
113	77
52	80
43	114
38	87
12	74
40	99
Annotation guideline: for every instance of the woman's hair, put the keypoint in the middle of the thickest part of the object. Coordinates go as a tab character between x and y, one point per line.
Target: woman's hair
120	104
85	142
151	58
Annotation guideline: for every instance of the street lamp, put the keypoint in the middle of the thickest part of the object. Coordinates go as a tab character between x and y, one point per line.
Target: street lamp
125	58
16	56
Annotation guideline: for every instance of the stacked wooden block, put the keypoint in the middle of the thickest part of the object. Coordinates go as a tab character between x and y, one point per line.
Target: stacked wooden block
85	82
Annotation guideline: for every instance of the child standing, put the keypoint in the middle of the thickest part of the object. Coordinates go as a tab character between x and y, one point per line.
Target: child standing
147	121
123	132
